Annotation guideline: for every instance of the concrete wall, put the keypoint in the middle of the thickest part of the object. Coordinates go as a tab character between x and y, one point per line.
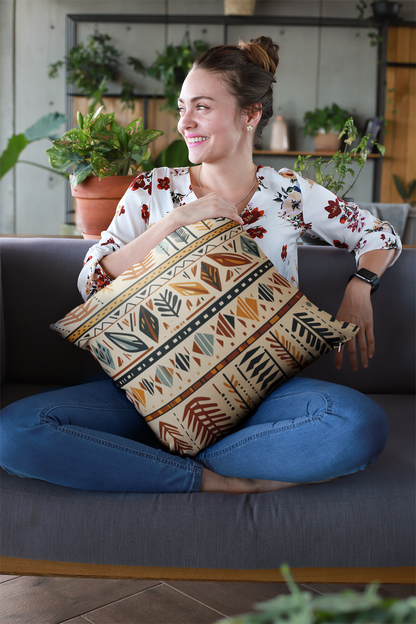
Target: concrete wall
318	66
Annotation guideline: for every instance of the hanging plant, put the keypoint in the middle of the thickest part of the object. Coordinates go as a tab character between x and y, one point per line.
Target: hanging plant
171	67
90	66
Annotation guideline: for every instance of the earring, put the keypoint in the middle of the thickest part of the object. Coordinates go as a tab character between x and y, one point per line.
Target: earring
250	128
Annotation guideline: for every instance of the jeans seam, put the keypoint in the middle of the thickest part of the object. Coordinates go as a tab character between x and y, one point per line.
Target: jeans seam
249	439
326	398
198	469
44	413
115	447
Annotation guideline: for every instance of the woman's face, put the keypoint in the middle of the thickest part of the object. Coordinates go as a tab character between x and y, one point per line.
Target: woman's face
210	123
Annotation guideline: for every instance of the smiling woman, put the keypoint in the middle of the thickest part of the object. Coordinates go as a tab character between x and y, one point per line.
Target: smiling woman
305	430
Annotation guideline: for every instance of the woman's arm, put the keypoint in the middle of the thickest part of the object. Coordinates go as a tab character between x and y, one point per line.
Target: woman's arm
144	217
209	207
356	308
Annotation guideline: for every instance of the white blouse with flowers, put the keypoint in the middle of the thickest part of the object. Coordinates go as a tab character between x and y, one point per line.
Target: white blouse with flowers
284	207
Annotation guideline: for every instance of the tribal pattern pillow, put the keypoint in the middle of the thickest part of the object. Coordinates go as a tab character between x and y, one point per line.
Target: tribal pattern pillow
201	331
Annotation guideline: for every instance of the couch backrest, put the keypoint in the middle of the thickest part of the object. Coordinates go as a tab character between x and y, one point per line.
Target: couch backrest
39	285
2	334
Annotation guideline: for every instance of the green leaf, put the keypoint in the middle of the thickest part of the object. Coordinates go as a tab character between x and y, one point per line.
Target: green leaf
116	128
62	159
399	187
9	157
134	127
105	141
411	189
45	126
137	65
100	123
104	167
81	171
146	156
75	140
176	154
380	148
151	135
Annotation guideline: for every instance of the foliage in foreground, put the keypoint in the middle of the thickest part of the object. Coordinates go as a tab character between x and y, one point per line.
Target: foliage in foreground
300	607
339	165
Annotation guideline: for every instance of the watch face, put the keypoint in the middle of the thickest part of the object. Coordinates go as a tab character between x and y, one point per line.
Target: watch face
368	275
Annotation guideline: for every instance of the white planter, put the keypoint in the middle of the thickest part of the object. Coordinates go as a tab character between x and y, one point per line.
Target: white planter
239	7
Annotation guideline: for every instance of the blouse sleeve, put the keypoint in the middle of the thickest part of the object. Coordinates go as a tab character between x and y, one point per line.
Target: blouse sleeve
343	224
130	221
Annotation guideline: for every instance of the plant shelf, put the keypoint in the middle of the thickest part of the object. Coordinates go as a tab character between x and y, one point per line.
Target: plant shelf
295	153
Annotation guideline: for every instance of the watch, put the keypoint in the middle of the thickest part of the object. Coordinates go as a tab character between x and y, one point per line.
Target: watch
367	276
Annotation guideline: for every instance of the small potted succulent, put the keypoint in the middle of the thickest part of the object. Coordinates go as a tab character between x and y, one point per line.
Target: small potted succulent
324	125
105	158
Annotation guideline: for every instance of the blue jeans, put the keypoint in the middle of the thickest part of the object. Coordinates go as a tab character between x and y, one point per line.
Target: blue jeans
91	437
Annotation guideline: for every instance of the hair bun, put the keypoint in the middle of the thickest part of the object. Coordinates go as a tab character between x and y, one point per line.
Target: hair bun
263	52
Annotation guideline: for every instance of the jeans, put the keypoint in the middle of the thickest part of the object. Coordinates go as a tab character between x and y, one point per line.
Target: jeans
91	437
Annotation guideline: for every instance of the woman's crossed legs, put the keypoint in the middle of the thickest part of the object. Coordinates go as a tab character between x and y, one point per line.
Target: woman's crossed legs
91	437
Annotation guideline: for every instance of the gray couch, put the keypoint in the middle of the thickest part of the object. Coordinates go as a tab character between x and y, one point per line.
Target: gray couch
356	528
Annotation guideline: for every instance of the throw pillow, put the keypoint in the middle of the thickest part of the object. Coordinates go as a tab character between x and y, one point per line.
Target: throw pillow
201	331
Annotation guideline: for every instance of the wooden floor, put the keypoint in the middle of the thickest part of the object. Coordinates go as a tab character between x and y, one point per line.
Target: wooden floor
39	600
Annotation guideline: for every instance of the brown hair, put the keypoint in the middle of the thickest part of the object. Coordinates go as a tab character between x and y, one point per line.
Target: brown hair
248	70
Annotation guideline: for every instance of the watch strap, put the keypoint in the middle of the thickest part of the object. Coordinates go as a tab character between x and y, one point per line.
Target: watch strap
372	279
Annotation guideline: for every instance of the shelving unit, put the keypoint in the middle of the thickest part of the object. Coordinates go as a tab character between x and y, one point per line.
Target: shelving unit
295	153
74	20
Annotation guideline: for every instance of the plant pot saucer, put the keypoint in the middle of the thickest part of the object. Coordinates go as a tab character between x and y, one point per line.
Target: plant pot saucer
90	236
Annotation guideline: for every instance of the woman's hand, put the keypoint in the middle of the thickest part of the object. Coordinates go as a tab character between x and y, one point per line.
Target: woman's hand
210	206
356	308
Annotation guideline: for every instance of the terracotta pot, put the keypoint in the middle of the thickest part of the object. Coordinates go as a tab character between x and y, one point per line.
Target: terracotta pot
97	202
239	7
327	142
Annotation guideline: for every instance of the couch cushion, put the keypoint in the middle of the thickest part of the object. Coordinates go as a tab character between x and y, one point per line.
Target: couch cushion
364	520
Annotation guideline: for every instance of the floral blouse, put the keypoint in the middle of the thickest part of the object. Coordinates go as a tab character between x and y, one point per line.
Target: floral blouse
284	207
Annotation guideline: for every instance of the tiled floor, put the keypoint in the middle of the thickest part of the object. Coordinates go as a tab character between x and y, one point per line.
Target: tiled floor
39	600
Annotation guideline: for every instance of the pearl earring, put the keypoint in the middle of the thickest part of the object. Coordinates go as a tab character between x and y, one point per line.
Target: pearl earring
250	128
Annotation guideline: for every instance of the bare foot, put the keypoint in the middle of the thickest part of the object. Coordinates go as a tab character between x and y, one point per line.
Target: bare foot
213	482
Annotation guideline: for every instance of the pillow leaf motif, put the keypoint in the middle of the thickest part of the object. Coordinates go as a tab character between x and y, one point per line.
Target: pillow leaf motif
200	332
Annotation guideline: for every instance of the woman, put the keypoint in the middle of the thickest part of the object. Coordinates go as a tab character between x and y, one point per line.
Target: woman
306	431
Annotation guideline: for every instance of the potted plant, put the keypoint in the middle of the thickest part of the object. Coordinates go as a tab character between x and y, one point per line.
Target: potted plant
89	67
171	67
105	158
324	125
381	11
332	172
